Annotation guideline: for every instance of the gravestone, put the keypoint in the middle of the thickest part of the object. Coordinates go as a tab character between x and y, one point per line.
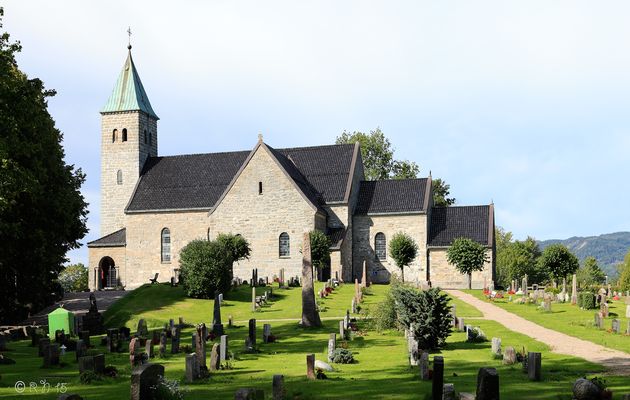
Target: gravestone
192	367
224	348
156	336
142	378
310	366
134	352
598	320
148	348
253	299
252	333
86	363
354	305
113	340
547	303
628	311
215	359
342	330
51	355
200	347
93	320
162	349
414	356
60	336
448	392
249	394
364	278
509	356
604	309
524	285
424	366
496	346
230	321
99	363
574	290
175	336
438	378
142	330
81	349
487	384
266	333
453	316
181	323
217	326
85	336
43	342
125	333
616	326
461	324
534	366
332	344
278	392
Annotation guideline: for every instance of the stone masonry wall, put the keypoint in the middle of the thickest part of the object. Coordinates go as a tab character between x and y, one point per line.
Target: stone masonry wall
96	254
129	157
365	229
446	276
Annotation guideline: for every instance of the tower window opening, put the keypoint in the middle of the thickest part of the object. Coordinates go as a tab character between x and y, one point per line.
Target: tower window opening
114	135
259	187
124	135
119	177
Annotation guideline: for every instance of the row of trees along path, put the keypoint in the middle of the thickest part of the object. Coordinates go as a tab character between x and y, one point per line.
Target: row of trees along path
618	362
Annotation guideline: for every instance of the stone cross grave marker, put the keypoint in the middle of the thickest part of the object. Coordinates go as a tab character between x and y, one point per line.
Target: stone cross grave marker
143	378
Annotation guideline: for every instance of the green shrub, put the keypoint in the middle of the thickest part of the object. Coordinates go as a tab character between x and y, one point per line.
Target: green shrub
342	356
586	300
167	389
206	267
383	316
88	377
74	278
320	249
427	310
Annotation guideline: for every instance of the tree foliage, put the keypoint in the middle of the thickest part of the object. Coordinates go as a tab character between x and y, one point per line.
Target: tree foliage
467	256
516	258
206	266
403	249
74	278
624	273
42	211
379	163
320	249
590	273
558	262
427	311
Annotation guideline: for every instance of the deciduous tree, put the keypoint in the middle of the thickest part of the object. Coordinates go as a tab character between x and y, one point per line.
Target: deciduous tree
467	256
403	249
557	262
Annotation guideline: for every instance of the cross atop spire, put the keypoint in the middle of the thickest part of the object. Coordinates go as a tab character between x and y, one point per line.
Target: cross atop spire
129	33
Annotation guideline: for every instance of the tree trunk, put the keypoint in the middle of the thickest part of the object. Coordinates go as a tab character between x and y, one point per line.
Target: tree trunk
470	281
402	273
310	316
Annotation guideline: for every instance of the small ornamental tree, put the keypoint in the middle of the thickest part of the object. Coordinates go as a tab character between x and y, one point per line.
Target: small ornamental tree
205	267
467	256
590	273
236	246
557	262
74	278
403	249
320	249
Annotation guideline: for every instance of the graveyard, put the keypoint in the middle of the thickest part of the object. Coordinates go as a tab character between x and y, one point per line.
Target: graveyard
381	367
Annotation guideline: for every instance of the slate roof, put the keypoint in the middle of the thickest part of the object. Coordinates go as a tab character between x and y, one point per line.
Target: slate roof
450	223
197	181
129	94
392	196
114	239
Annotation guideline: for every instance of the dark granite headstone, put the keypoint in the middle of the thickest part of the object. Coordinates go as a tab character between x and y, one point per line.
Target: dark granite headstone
534	366
142	378
438	377
487	384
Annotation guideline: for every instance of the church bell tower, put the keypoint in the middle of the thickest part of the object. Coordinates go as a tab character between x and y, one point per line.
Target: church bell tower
128	138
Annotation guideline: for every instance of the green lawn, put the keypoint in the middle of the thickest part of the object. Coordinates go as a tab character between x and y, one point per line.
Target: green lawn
381	370
572	320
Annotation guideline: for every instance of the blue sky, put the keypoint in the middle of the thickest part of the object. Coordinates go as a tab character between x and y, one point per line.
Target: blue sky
522	103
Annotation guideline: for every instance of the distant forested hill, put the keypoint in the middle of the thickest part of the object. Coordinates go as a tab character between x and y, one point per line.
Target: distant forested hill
609	249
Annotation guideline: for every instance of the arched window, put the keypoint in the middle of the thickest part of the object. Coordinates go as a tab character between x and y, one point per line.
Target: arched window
380	246
284	245
146	139
114	135
124	135
166	245
119	177
150	138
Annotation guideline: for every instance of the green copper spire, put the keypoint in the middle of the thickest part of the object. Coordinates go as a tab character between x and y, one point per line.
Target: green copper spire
129	94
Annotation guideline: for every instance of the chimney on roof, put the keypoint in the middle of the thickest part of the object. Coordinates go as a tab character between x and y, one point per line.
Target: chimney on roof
260	138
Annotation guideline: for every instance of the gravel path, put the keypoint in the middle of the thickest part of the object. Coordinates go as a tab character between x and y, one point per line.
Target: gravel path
616	361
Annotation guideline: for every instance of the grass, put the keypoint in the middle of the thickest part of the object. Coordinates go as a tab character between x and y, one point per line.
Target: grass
381	370
572	320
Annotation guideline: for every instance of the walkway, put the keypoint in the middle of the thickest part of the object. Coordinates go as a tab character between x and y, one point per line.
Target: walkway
616	361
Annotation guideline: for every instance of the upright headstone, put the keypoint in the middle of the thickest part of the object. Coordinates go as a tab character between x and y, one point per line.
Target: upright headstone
253	299
487	384
354	305
230	321
252	333
224	348
200	346
547	303
461	324
278	392
310	366
534	366
143	378
192	367
496	346
266	332
215	359
134	352
51	355
249	394
438	377
342	330
217	326
43	342
453	316
448	392
364	278
509	356
604	309
424	366
148	348
162	349
332	345
142	330
85	336
414	351
628	328
616	326
99	363
175	340
81	350
524	285
574	290
85	363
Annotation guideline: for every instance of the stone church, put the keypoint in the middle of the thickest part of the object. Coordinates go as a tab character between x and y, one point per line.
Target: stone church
152	206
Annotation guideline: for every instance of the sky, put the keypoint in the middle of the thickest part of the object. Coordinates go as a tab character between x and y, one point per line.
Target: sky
524	104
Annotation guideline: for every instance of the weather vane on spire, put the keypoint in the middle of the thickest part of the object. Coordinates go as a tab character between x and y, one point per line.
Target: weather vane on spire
129	33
